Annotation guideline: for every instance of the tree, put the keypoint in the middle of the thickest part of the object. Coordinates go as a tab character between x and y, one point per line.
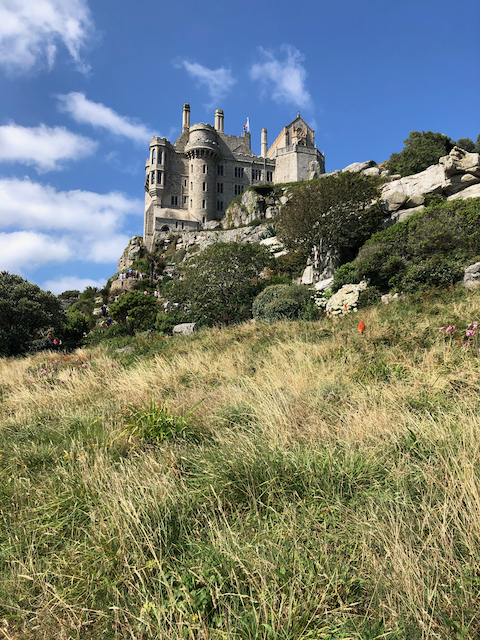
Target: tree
25	310
466	143
421	151
335	213
220	283
140	310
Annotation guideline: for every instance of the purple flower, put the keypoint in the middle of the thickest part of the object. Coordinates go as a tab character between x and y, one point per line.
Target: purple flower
450	329
441	329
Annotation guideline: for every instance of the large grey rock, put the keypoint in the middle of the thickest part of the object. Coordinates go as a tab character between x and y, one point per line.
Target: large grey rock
371	171
469	192
345	299
459	182
356	167
400	216
394	201
186	328
428	181
460	161
472	275
307	275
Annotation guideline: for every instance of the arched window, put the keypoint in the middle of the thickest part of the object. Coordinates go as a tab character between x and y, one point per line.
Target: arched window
154	156
165	229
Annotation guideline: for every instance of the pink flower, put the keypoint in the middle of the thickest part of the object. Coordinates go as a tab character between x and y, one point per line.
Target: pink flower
441	329
450	329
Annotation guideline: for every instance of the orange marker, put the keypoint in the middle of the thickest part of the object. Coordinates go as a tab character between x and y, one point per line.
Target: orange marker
361	326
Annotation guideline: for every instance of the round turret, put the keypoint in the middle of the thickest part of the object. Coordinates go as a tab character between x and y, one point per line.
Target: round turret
203	153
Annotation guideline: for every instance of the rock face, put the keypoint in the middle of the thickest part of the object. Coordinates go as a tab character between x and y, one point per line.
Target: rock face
131	253
254	206
456	176
472	275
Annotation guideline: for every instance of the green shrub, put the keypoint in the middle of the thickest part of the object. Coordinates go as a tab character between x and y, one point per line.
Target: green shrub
421	150
280	302
435	272
166	321
367	297
346	274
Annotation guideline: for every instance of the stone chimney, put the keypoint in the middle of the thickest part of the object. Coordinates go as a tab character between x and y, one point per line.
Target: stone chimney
186	117
264	145
219	120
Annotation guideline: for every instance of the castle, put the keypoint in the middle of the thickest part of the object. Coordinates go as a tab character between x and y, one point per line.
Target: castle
191	182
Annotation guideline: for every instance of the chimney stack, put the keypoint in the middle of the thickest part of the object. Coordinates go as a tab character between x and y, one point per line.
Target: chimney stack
219	120
264	145
186	117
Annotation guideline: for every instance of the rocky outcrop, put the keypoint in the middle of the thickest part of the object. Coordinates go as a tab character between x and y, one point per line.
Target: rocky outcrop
133	252
254	206
472	275
346	299
455	176
185	329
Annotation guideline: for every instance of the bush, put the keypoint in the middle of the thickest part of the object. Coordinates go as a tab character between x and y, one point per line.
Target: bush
435	272
166	321
420	152
346	274
281	302
25	310
450	231
367	297
140	309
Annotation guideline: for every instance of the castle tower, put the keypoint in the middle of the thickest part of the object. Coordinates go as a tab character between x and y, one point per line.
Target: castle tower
264	144
203	154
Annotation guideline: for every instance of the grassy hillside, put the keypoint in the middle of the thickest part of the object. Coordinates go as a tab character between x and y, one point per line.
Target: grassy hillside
290	481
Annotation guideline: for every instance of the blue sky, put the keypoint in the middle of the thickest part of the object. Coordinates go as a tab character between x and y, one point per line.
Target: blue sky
84	85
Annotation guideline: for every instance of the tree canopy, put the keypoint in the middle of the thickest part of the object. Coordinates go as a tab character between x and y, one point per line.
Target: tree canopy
421	150
220	283
335	212
25	310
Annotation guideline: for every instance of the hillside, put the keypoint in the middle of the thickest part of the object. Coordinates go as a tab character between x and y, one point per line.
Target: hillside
286	481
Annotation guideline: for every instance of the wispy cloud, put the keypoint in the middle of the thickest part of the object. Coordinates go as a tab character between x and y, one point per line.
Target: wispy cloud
98	115
285	78
218	82
60	226
31	30
43	147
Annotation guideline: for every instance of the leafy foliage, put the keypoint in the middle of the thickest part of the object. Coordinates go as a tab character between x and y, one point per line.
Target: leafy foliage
140	310
281	302
430	248
24	311
335	212
75	328
466	143
421	151
220	283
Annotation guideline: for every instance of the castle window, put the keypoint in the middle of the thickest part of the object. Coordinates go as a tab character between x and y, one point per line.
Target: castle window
176	224
203	220
191	168
159	177
204	168
220	187
174	201
219	206
220	170
160	157
185	182
191	186
183	225
191	202
184	199
269	176
152	177
154	155
204	187
203	204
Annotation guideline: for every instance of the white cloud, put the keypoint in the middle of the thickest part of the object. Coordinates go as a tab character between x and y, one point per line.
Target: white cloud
71	283
30	31
42	147
30	248
98	115
217	81
285	77
49	226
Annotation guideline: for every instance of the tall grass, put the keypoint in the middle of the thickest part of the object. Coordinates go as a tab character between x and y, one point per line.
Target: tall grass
325	485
